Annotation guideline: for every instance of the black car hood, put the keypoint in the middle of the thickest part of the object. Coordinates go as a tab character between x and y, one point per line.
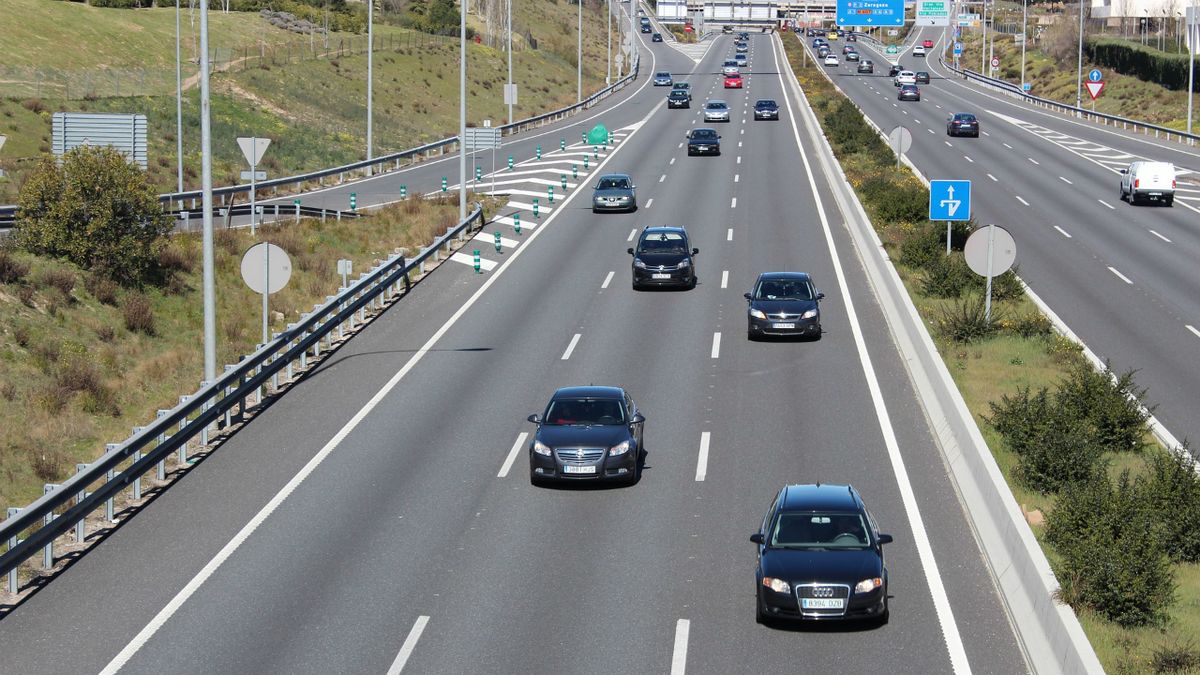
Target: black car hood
557	436
829	566
784	306
656	259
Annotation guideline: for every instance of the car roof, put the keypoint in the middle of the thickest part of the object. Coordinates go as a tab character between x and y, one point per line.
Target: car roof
589	391
614	175
785	275
820	497
704	129
717	100
662	72
768	101
662	229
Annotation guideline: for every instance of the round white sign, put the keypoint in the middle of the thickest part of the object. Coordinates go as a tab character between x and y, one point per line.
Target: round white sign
263	264
901	139
995	61
1004	250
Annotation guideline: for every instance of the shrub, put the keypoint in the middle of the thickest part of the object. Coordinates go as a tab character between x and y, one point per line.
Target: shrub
846	127
1006	286
172	258
1112	558
1112	407
1054	447
138	314
11	270
103	289
94	209
1176	658
964	320
928	243
1031	324
1173	493
902	204
26	294
63	280
946	276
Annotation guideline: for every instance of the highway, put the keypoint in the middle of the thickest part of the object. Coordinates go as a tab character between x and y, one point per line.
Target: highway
379	517
1122	277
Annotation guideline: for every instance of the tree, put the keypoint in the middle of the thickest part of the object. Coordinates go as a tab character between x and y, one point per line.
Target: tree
95	209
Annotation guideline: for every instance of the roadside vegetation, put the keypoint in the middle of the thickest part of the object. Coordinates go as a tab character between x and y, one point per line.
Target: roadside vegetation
1118	516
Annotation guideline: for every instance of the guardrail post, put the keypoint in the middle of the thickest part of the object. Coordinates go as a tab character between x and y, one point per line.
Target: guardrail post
108	476
137	482
48	551
276	212
183	458
339	215
207	404
162	438
12	543
81	524
275	375
187	220
322	215
225	395
290	326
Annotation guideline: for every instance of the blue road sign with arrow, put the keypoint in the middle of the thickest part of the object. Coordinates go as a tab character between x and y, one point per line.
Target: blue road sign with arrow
1094	75
949	200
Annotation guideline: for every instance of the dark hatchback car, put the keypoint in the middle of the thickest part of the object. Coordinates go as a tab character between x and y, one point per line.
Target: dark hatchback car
962	124
679	98
908	92
657	37
896	68
664	257
587	433
820	557
703	141
766	109
784	304
921	76
867	66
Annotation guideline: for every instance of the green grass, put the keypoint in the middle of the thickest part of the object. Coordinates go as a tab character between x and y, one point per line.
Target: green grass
986	370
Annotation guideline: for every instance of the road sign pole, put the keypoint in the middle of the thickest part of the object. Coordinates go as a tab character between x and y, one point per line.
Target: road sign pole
987	308
948	225
266	286
253	185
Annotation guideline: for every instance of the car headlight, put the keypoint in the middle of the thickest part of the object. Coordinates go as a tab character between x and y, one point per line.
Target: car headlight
758	314
620	448
541	448
777	585
637	262
810	314
868	585
684	263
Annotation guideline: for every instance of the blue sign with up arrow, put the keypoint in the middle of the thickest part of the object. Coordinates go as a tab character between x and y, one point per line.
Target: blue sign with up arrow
949	200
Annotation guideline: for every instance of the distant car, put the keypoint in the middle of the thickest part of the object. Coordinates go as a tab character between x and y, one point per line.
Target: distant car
743	35
894	69
1148	181
684	87
678	98
867	66
716	111
614	192
920	77
918	51
848	48
908	92
766	109
904	77
823	51
664	257
832	60
928	44
820	557
817	42
656	37
841	33
741	48
733	81
590	433
852	56
663	79
783	304
741	60
646	28
703	141
851	37
962	124
729	67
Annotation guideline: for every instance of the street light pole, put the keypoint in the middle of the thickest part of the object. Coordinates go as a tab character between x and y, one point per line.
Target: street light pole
462	113
370	74
178	101
983	45
632	31
579	56
509	31
210	293
608	76
1024	37
1193	34
1079	68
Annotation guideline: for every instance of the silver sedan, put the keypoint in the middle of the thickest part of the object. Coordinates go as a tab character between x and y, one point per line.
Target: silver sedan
716	111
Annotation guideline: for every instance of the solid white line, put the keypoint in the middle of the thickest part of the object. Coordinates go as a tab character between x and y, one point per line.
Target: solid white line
733	203
410	643
1160	236
649	202
1106	204
662	178
632	234
1120	276
571	347
1062	232
1065	180
729	234
724	278
607	279
716	347
993	178
679	655
937	590
512	454
702	458
1193	329
1022	200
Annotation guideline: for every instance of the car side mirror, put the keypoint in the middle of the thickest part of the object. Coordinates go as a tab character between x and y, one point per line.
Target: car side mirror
632	187
757	538
629	250
695	251
638	418
1124	171
885	539
747	296
535	418
820	296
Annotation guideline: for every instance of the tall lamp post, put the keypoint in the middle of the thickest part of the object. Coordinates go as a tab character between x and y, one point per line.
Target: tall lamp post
509	31
1024	37
178	101
462	113
1079	67
608	75
579	56
1193	35
370	74
210	292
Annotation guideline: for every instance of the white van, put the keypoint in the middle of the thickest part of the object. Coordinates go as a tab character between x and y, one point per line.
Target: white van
1152	181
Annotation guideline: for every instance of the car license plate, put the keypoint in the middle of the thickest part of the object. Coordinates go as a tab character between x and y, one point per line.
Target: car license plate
822	603
783	325
660	276
579	469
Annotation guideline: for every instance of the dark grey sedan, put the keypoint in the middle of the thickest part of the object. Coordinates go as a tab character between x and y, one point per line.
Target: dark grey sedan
784	304
614	192
587	433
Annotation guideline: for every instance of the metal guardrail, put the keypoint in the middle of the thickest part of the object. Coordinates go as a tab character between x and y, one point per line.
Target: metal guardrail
8	212
215	406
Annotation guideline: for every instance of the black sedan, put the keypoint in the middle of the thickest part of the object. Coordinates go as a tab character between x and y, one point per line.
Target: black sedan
908	92
664	257
703	141
679	98
766	109
922	77
587	433
962	124
783	303
614	192
820	557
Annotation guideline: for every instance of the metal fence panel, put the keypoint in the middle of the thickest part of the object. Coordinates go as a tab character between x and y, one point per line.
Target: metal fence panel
124	131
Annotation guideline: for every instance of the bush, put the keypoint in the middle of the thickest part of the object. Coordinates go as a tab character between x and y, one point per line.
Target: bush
847	129
964	320
947	276
11	270
1113	407
103	289
138	314
1173	493
1112	558
928	243
1031	324
1176	658
902	204
95	209
1054	447
1145	63
63	280
1006	286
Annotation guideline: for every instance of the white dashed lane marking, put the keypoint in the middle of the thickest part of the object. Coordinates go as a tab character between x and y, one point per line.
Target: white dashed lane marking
607	279
571	347
1022	200
1120	276
1160	236
1062	232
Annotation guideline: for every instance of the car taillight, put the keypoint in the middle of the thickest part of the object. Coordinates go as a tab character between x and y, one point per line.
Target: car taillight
1172	183
1137	182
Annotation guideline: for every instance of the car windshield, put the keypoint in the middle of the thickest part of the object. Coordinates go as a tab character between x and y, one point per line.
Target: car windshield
585	412
664	75
704	135
715	106
613	184
783	289
682	85
820	530
765	104
662	242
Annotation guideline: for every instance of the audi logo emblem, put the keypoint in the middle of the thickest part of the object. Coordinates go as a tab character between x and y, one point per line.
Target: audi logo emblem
822	592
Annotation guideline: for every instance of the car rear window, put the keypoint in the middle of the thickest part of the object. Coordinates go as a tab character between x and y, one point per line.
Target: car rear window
704	134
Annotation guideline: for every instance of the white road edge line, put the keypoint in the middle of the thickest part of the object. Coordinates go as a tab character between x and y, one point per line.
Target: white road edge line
248	529
702	458
608	279
512	454
937	590
679	653
410	643
724	278
1062	232
1160	236
571	347
1120	276
716	346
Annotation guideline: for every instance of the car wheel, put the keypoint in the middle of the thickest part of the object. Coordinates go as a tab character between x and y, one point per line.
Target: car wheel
637	286
692	283
595	210
1169	201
